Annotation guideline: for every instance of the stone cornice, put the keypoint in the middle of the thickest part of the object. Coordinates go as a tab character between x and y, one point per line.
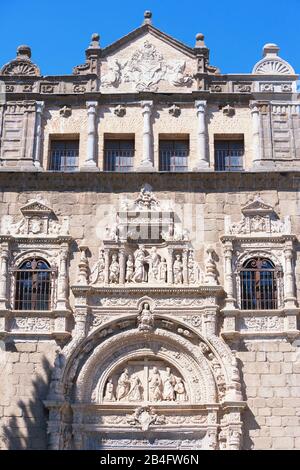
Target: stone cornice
145	288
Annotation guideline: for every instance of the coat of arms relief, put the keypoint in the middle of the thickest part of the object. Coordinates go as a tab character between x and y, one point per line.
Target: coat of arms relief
145	69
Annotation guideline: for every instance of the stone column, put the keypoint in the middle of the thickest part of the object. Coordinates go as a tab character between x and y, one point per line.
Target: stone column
106	269
257	154
170	266
185	266
289	290
90	162
147	163
4	275
228	276
62	288
38	133
122	263
202	156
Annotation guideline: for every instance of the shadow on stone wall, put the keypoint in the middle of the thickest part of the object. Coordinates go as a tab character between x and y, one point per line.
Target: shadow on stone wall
27	429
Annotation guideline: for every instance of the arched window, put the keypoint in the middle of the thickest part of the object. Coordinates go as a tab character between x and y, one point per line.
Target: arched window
33	285
259	285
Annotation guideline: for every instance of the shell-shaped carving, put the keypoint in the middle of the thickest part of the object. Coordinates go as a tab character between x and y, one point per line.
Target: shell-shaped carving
273	67
20	68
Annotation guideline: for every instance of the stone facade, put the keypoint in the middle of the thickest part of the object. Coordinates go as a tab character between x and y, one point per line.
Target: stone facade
146	341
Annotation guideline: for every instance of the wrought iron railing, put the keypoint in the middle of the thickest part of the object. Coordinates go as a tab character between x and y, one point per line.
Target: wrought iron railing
173	160
118	160
229	160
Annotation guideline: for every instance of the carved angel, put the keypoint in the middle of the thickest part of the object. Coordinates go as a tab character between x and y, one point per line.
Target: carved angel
177	75
113	76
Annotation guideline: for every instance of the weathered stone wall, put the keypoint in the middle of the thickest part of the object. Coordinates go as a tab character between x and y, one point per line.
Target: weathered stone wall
270	368
271	378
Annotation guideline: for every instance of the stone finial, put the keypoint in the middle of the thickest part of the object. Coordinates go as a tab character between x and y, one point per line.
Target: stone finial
24	52
95	43
200	40
270	50
210	268
148	17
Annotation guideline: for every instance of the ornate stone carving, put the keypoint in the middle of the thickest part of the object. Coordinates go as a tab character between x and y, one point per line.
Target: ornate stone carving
97	272
120	110
32	325
114	270
210	268
22	64
145	69
272	64
175	110
65	111
262	323
145	319
229	110
145	416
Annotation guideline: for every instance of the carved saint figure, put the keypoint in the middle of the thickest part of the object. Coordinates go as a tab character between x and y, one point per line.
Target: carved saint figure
180	390
169	382
136	390
123	385
163	270
97	273
109	391
155	386
139	257
114	269
129	269
177	270
191	268
154	260
145	319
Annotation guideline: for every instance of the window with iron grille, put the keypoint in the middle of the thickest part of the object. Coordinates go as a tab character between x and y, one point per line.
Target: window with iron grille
64	155
33	285
259	289
173	155
118	155
229	155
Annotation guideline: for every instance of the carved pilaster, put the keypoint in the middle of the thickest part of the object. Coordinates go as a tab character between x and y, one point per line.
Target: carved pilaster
228	276
209	322
256	146
62	288
185	266
289	290
202	156
90	162
4	275
170	266
106	269
83	267
147	163
38	133
122	263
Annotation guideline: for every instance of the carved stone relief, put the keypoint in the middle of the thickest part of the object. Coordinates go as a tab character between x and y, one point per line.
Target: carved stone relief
145	69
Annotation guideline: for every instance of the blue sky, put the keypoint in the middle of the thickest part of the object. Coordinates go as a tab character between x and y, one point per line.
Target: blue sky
58	31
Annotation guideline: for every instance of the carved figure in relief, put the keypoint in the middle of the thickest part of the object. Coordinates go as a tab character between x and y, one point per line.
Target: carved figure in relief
191	268
123	387
177	270
163	269
140	257
136	389
145	319
169	383
109	391
114	269
177	76
154	260
97	273
179	389
155	385
113	76
129	268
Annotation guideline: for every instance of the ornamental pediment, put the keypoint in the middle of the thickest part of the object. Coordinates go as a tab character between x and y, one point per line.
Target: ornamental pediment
37	220
148	62
258	219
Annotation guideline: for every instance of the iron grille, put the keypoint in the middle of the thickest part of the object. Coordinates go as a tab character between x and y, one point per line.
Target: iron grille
64	155
119	155
173	155
33	285
229	155
259	285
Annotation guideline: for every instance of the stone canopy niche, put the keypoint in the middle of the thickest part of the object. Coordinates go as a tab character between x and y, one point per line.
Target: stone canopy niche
145	246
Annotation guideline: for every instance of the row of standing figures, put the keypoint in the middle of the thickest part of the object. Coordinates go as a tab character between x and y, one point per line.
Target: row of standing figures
170	388
144	267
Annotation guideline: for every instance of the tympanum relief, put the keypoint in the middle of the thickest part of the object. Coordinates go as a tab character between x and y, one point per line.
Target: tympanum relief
145	381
